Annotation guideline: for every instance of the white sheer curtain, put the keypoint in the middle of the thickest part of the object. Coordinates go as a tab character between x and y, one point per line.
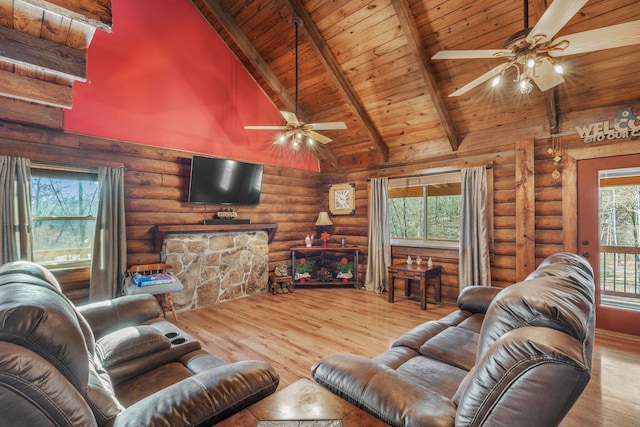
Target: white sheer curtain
15	209
379	236
109	257
474	269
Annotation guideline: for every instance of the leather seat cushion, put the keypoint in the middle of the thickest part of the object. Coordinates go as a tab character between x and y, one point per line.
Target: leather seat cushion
137	388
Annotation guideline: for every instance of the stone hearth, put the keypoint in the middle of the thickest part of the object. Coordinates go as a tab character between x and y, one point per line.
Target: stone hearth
217	266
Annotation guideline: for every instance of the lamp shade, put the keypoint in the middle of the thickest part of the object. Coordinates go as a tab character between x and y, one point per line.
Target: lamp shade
323	219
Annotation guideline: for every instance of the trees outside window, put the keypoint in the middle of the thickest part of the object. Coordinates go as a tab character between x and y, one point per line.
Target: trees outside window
64	207
425	212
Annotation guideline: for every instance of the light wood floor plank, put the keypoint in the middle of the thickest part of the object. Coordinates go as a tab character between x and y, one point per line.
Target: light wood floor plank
292	331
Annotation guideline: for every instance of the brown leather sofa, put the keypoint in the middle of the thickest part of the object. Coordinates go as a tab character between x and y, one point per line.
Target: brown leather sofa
114	363
514	357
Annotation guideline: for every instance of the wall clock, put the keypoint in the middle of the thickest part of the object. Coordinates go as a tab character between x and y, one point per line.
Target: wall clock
342	199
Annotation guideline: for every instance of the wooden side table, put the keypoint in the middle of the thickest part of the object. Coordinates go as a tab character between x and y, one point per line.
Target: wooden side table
275	281
415	272
162	292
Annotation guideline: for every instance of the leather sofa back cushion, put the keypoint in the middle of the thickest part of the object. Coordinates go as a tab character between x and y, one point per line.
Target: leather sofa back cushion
27	273
29	269
569	259
130	343
455	346
43	321
39	393
554	302
512	380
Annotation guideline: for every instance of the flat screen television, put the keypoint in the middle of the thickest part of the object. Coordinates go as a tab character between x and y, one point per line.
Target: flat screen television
224	182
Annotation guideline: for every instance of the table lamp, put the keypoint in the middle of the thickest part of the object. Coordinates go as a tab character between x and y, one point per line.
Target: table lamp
323	220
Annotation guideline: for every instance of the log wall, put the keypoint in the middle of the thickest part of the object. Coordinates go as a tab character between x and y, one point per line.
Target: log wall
157	184
549	229
156	187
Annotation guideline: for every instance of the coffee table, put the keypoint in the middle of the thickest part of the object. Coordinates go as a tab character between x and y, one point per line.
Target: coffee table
303	403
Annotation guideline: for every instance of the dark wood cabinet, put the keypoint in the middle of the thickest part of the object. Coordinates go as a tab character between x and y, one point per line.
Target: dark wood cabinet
325	256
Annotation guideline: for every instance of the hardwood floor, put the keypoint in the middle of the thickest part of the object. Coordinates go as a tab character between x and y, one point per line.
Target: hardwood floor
292	331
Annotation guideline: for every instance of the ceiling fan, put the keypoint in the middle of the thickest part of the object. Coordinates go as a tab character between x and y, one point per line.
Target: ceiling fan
296	130
532	51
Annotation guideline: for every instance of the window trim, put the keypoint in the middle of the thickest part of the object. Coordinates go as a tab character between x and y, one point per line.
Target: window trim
427	244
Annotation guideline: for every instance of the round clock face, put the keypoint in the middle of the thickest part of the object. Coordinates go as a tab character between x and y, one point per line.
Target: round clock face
342	199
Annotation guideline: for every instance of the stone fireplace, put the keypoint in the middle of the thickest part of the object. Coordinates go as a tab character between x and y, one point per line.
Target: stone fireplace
217	266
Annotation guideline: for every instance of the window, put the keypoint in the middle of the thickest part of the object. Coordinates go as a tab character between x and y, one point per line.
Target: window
425	210
64	207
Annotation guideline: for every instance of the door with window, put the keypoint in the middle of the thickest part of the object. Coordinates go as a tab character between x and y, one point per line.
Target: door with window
609	236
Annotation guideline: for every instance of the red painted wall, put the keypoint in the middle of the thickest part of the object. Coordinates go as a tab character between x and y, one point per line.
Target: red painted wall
163	77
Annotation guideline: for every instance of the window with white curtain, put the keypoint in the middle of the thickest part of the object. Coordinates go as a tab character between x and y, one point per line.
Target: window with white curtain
425	210
64	207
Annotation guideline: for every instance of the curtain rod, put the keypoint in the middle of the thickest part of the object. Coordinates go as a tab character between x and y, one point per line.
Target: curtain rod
487	166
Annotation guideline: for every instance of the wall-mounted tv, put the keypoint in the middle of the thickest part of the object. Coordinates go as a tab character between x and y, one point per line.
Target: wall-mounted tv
224	182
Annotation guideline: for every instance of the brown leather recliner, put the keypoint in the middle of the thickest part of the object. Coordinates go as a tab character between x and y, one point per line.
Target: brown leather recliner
115	363
520	356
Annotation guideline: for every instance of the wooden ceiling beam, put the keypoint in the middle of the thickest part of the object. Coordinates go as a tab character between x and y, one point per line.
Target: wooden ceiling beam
407	23
22	49
252	54
96	13
33	90
335	72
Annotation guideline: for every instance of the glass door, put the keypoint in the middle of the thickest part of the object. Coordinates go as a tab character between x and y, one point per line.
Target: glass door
609	236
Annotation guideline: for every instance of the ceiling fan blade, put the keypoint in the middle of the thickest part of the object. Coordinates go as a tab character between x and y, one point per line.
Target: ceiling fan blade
472	54
619	35
290	118
553	19
318	137
483	78
266	127
545	76
326	126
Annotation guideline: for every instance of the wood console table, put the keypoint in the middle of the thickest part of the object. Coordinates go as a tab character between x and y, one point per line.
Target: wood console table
415	272
160	230
309	250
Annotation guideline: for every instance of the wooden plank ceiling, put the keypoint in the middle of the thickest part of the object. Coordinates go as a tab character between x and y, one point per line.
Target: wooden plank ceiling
365	62
368	63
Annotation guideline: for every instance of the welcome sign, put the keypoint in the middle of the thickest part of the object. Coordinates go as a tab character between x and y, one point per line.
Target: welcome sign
625	125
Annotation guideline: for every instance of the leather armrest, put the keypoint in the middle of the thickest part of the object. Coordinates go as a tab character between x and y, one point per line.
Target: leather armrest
205	398
476	299
130	343
106	316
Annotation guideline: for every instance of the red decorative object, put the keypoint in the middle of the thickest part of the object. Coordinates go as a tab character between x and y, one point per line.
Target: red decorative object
302	279
325	238
345	279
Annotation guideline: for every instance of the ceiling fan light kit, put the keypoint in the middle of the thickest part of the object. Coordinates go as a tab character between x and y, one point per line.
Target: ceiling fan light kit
296	132
532	51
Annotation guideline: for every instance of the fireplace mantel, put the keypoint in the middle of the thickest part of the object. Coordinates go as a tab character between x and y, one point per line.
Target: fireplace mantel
160	230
